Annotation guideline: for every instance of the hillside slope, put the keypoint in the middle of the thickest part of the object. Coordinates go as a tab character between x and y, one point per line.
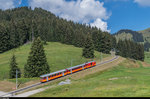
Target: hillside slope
129	35
58	55
146	34
20	25
127	79
136	36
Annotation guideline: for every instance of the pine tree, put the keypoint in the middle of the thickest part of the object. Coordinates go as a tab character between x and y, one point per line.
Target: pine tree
88	50
96	36
13	68
4	39
37	62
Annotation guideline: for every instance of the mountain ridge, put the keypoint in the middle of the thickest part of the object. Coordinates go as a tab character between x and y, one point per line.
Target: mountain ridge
142	36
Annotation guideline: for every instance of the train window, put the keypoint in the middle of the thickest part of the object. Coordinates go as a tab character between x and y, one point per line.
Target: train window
44	77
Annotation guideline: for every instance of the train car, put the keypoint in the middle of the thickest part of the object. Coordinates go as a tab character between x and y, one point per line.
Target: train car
51	76
64	72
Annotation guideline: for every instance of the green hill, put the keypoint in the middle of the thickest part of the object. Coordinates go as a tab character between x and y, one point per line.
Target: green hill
129	35
136	36
146	34
20	25
128	79
58	55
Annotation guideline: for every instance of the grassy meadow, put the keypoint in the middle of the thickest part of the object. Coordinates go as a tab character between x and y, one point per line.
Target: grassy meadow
125	80
147	57
58	55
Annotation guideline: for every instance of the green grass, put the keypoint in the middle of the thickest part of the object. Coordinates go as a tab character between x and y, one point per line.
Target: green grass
58	55
130	82
147	57
22	80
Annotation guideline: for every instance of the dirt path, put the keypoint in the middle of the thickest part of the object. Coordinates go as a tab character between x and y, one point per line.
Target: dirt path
1	93
6	86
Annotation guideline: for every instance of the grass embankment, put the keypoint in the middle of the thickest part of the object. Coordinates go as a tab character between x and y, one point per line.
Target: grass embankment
147	57
58	55
128	79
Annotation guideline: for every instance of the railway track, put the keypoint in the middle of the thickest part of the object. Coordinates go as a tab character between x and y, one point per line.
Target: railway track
9	94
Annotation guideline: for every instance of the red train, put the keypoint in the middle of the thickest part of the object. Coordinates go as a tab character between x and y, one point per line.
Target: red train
64	72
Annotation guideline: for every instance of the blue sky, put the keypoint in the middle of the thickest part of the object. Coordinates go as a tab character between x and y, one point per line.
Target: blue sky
127	15
109	15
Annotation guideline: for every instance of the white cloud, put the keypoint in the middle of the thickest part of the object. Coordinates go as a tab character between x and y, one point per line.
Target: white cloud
78	11
100	24
6	4
20	1
143	2
115	0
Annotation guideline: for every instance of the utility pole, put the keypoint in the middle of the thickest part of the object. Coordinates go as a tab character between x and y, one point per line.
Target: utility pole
111	53
16	79
71	62
101	57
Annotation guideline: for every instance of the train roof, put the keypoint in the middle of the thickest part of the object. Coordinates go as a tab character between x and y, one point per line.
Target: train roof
45	75
79	65
63	70
75	66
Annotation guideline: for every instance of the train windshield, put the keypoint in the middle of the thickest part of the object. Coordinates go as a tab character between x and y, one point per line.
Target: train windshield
42	77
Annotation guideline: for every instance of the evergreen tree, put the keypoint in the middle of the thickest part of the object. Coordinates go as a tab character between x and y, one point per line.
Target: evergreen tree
96	36
25	24
88	50
13	68
37	63
146	46
4	39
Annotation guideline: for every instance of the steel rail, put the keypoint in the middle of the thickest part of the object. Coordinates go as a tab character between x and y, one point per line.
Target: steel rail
34	85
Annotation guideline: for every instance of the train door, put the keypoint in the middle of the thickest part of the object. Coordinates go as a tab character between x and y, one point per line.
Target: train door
43	79
85	66
67	71
47	78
